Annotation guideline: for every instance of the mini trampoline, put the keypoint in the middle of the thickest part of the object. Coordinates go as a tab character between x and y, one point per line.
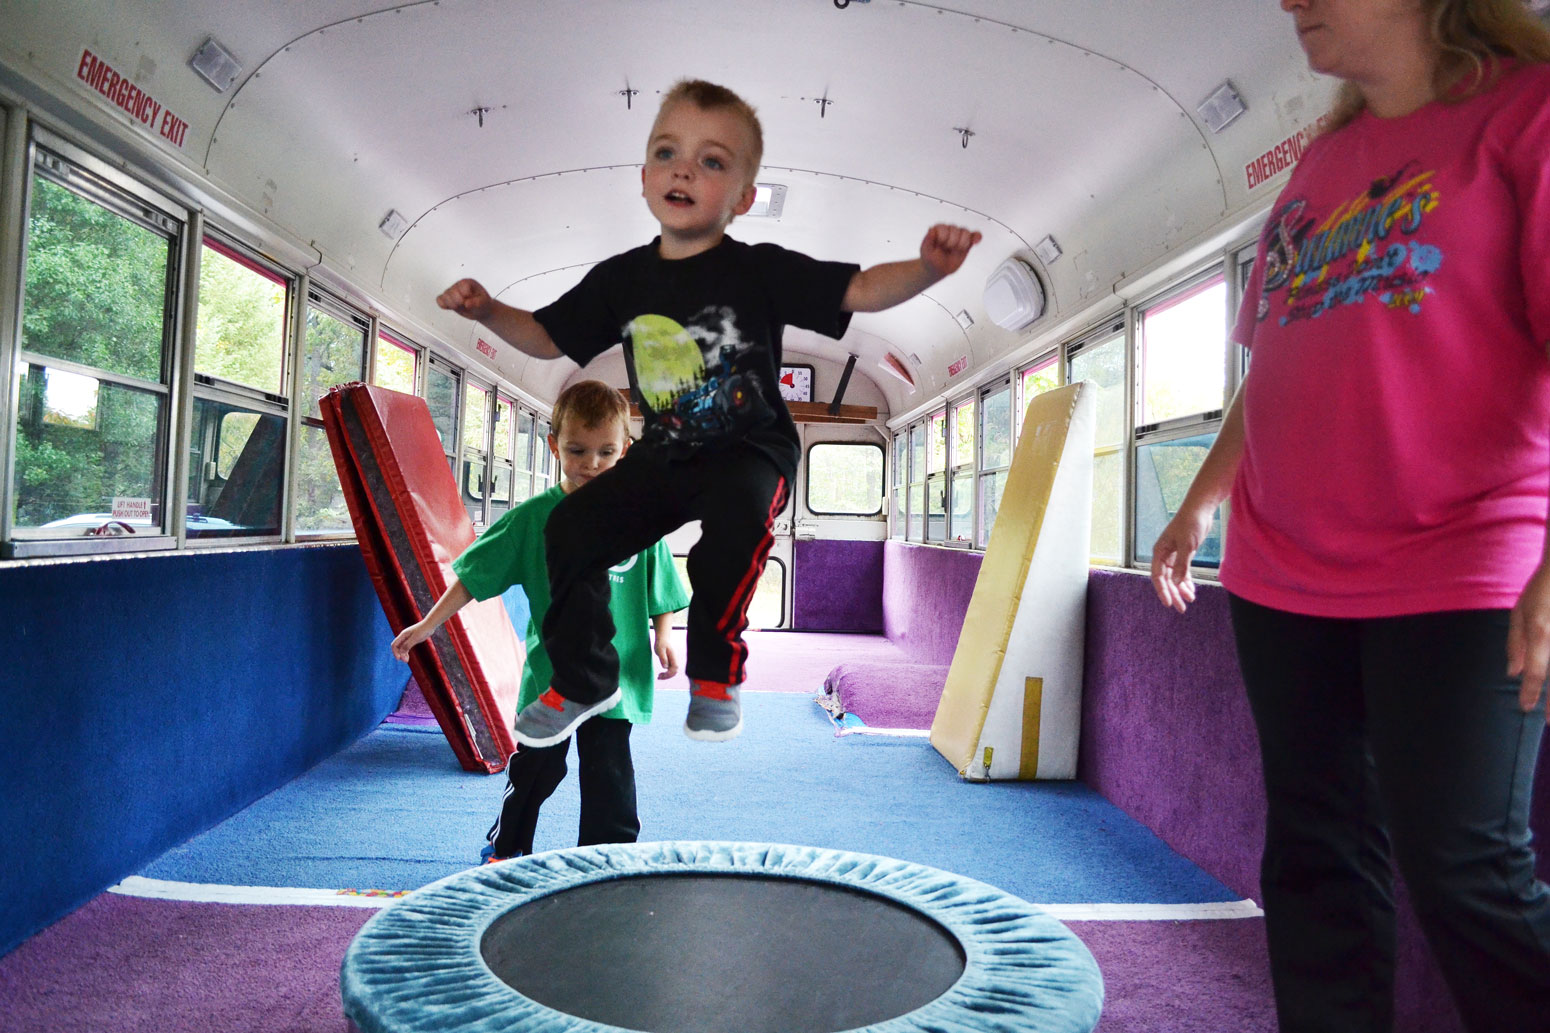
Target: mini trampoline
716	938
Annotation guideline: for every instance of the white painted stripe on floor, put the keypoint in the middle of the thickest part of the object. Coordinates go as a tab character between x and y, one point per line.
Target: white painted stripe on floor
1153	912
897	733
214	893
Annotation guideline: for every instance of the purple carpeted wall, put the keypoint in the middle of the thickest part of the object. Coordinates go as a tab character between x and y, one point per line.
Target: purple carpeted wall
926	592
837	586
1167	736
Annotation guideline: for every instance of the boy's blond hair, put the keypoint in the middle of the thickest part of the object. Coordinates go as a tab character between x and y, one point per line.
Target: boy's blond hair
590	403
707	96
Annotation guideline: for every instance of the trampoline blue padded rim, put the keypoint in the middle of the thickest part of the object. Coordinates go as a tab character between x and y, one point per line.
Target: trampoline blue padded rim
416	966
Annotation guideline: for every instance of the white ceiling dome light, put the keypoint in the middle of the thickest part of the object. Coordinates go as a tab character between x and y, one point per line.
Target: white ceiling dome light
1014	297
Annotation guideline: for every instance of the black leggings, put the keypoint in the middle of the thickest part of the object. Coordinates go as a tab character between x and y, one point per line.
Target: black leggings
734	493
607	774
1402	737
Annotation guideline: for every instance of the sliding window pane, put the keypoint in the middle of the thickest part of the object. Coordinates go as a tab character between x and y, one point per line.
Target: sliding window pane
441	398
241	334
1036	380
88	452
505	409
396	363
996	428
1104	366
991	486
1108	531
320	505
1183	344
335	354
236	471
1164	471
97	285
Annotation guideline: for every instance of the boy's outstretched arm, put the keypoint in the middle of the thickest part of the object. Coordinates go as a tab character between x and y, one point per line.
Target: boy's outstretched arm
452	600
515	326
884	286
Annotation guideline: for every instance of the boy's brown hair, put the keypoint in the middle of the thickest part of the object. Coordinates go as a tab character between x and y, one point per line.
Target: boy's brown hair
590	403
707	96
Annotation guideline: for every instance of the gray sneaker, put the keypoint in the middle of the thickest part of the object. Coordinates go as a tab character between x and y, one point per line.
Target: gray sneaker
551	718
715	715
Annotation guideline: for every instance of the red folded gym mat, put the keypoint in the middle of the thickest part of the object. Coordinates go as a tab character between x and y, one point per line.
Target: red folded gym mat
411	524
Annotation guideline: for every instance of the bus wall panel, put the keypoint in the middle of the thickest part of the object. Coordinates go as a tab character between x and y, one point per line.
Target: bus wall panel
1167	736
150	697
926	592
837	586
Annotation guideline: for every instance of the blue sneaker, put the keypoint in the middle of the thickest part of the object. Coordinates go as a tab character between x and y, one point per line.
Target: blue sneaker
487	855
551	718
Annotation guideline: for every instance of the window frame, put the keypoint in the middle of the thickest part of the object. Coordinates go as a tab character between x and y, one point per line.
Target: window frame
386	334
955	469
883	496
1115	328
74	169
326	302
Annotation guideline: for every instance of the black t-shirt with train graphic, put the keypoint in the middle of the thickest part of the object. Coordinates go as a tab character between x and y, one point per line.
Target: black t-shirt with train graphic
702	337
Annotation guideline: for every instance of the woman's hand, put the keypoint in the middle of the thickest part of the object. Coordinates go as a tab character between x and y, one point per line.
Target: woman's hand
1171	554
1528	639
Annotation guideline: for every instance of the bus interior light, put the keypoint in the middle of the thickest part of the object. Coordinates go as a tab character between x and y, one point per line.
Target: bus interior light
215	65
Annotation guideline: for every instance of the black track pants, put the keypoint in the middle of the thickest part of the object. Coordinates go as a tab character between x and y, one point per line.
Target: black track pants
1396	737
735	493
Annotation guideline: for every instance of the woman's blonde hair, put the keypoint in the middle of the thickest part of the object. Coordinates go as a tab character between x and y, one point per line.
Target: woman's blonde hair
1470	35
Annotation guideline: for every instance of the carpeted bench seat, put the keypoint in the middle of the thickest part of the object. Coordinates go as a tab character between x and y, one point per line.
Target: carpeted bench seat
885	694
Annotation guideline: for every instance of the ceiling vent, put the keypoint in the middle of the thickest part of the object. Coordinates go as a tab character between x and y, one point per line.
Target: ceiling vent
1013	295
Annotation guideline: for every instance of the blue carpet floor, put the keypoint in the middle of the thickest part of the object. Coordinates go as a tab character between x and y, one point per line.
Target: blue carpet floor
394	812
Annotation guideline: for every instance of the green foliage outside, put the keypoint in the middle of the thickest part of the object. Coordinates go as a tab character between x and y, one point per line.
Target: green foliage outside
395	367
95	294
1105	367
845	479
998	428
241	335
320	505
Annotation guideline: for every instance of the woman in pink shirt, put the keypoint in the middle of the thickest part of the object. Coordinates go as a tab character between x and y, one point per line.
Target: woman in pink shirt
1388	464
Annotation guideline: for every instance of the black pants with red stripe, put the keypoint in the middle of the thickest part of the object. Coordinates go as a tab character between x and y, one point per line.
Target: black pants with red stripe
735	494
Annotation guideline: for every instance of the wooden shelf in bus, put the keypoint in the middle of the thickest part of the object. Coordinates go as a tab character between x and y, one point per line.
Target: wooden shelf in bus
814	412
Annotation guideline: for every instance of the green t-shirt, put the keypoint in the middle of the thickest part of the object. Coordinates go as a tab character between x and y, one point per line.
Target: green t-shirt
511	552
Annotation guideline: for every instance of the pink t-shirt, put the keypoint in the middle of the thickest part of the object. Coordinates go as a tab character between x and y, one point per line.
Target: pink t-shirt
1397	410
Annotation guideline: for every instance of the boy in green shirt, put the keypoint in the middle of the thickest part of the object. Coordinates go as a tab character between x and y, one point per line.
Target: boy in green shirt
590	432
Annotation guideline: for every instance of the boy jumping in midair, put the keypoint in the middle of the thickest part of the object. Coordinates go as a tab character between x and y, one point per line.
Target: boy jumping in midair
700	316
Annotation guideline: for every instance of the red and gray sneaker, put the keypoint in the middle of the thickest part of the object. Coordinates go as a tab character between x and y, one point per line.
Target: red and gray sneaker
715	714
551	718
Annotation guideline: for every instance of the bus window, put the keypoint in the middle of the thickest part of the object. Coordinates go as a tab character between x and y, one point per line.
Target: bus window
961	483
845	479
242	306
768	608
96	285
333	353
1164	470
236	472
1103	363
396	363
